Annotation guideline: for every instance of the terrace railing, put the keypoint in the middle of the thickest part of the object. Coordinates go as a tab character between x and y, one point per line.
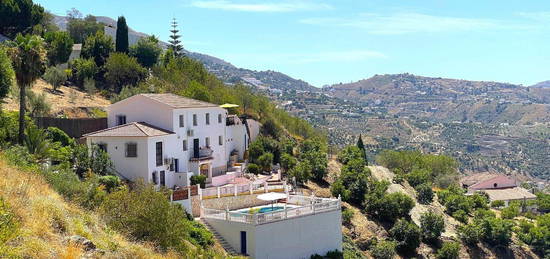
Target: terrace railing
307	206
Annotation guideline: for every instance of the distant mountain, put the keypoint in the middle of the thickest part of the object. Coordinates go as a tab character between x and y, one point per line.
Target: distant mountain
448	99
224	70
543	84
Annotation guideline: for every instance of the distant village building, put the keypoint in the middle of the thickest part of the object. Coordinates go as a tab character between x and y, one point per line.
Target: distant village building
497	187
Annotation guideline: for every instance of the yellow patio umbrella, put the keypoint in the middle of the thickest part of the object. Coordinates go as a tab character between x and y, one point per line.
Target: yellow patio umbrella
229	105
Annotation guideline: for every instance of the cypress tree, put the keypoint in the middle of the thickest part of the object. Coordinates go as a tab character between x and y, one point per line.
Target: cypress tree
121	35
361	146
175	43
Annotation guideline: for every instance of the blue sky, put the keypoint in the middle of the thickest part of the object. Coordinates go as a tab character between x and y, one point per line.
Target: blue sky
326	42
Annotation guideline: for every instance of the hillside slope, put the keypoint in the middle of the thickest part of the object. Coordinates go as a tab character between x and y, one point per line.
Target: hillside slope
448	100
66	101
222	69
363	229
44	223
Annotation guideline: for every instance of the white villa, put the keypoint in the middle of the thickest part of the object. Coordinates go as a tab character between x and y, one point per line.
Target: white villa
165	139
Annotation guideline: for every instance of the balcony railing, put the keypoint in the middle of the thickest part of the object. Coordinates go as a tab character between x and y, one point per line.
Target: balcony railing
308	206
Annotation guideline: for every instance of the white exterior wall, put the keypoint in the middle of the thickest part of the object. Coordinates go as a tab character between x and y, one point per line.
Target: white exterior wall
201	131
139	108
131	168
237	139
295	238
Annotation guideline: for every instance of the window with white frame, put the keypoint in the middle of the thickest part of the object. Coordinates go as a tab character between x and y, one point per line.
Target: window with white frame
207	118
207	140
194	120
131	149
220	118
184	145
220	140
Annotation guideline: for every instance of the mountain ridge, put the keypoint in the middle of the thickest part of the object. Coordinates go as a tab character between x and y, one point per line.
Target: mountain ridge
224	70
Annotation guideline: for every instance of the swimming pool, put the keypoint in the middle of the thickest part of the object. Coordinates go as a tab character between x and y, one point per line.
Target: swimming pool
262	210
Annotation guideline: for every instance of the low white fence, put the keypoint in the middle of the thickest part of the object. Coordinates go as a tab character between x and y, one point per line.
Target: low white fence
307	206
241	189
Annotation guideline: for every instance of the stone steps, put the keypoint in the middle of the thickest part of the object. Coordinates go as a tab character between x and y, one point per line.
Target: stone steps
228	248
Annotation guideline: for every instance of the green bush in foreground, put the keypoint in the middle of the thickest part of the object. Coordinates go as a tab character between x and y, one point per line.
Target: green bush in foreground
449	250
432	225
384	250
407	235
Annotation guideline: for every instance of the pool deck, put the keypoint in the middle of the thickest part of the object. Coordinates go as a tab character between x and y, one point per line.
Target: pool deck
283	205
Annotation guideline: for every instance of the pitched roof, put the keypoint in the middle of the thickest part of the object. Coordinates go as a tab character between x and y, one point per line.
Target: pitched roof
133	129
497	182
176	101
516	193
476	178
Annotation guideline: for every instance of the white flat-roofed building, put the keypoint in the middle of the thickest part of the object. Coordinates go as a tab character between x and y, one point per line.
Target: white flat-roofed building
297	228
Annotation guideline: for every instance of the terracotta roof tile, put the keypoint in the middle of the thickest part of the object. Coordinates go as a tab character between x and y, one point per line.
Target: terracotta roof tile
176	101
133	129
497	182
516	193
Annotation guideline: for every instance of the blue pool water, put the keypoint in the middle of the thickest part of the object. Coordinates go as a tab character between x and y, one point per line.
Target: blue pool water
270	209
264	209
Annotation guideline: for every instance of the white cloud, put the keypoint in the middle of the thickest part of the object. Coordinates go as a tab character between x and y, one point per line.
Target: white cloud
537	16
408	22
286	6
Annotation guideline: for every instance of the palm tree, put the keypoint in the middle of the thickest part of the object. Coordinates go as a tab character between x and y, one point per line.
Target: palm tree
29	62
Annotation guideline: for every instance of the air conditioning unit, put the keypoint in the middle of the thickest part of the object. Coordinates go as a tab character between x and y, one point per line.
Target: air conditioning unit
168	161
190	133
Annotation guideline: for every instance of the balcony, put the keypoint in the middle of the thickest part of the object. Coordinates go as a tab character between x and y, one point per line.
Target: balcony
203	153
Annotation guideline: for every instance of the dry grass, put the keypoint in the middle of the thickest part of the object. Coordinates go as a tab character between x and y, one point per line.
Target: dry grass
46	220
64	100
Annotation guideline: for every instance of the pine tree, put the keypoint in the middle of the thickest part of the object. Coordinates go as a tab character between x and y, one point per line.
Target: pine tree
121	35
175	43
361	146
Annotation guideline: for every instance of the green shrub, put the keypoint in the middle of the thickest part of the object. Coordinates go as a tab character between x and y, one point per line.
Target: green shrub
431	225
111	182
82	69
496	231
147	215
265	161
470	234
479	200
58	135
7	75
201	236
347	215
121	70
449	250
393	206
424	193
384	250
59	46
510	212
95	160
301	172
288	162
407	235
253	169
461	216
418	176
146	50
354	182
55	77
98	47
497	204
198	179
351	153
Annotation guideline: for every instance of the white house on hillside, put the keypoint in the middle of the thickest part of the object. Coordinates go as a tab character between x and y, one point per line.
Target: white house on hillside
166	138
